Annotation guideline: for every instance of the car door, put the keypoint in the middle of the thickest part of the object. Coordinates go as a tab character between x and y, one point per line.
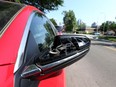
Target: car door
40	38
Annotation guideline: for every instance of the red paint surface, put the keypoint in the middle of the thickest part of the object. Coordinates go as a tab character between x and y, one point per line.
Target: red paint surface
6	75
11	39
9	46
57	81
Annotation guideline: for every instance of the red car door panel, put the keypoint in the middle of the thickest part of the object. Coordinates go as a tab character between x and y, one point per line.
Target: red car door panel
6	73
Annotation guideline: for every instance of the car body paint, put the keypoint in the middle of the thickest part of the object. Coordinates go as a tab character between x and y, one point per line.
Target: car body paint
6	75
9	46
11	39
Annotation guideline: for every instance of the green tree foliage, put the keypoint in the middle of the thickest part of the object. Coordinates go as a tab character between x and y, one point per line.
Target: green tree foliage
113	27
13	0
53	21
70	21
108	25
44	5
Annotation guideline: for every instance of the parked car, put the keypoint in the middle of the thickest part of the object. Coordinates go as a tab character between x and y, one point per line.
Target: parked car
31	52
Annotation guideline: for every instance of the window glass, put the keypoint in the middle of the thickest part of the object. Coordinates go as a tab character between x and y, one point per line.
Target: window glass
7	11
42	31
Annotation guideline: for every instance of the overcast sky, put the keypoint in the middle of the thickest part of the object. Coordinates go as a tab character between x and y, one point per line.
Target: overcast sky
88	11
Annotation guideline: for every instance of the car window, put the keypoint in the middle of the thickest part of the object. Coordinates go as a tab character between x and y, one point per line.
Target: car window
41	36
42	31
7	11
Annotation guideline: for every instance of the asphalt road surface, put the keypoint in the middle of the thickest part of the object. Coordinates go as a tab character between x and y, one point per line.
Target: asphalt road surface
96	69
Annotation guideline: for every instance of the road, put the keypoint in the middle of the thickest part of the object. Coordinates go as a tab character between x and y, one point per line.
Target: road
96	69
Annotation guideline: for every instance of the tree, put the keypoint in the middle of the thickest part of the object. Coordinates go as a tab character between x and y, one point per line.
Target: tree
70	21
44	5
105	26
108	25
113	27
53	21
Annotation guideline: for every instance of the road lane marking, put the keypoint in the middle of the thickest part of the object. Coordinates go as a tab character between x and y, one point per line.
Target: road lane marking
111	48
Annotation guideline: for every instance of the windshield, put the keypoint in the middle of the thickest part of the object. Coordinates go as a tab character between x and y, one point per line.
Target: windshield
7	11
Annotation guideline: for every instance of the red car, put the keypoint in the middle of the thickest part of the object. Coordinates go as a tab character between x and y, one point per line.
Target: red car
31	52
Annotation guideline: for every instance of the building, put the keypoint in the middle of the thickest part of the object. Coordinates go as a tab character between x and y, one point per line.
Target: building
89	30
86	30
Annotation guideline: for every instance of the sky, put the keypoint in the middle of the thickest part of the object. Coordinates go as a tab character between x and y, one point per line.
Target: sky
88	11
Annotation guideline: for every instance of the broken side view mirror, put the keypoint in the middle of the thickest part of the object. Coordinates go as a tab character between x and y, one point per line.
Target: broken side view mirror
66	50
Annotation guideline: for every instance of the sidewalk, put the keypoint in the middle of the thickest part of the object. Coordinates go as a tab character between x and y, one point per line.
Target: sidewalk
104	42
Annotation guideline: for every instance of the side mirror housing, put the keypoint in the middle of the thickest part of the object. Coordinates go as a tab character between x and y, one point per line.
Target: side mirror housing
65	50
